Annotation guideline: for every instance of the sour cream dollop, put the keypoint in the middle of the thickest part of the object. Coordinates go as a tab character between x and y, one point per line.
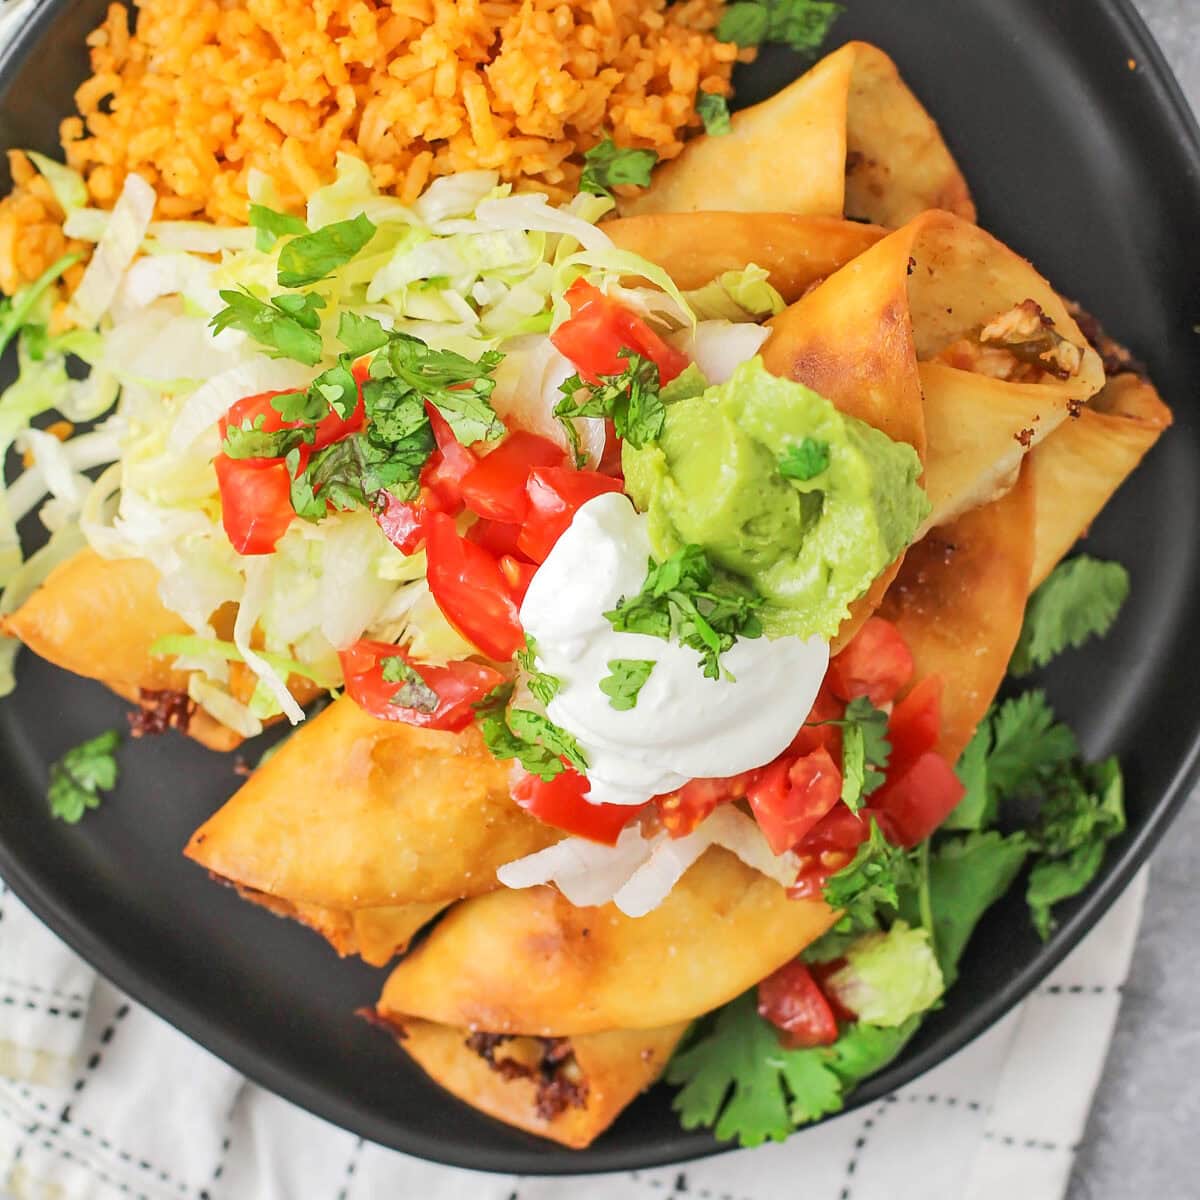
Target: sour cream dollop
683	726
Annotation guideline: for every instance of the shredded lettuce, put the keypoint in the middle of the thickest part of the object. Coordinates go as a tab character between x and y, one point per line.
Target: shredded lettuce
745	295
889	977
67	185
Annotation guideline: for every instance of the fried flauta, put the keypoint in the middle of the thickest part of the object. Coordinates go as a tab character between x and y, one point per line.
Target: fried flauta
959	601
531	962
795	251
357	813
1087	459
926	336
566	1089
99	617
846	139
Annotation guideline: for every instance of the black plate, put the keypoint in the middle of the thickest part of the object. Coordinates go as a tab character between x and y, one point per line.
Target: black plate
1083	155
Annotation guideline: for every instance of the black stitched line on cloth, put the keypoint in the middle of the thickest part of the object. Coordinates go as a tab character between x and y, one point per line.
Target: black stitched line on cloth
351	1167
949	1101
223	1154
57	993
1079	989
93	1061
123	1188
142	1164
53	1010
1025	1143
703	1193
681	1182
860	1144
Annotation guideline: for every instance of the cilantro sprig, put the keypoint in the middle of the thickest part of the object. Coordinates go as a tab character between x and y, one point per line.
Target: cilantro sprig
542	686
1080	599
713	110
632	399
685	597
287	325
805	461
312	257
272	225
865	750
801	24
606	165
81	775
540	746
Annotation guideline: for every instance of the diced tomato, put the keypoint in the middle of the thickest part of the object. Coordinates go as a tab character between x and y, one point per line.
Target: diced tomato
496	537
405	523
791	795
914	724
495	487
683	810
518	574
829	846
561	802
471	590
791	1000
599	327
918	801
555	495
256	502
458	685
877	664
448	465
816	732
329	429
821	973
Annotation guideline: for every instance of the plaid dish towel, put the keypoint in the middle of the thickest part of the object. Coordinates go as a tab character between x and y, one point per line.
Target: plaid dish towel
100	1100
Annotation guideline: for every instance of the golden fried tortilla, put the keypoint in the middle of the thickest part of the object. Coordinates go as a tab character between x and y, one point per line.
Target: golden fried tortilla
355	813
847	139
530	962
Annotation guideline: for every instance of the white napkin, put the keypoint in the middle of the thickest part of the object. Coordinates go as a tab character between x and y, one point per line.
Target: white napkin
100	1100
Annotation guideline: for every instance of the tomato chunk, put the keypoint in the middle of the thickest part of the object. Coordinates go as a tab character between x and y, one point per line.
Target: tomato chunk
599	327
471	590
458	686
561	802
448	465
496	537
495	487
877	664
329	429
555	495
256	502
918	801
791	1000
683	810
914	725
829	846
790	796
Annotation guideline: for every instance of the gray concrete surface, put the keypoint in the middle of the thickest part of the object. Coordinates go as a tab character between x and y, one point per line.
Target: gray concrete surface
1142	1139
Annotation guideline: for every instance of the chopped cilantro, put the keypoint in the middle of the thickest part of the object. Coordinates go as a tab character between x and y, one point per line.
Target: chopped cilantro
686	598
632	399
78	778
713	110
272	225
626	678
736	1076
314	256
874	877
801	24
1028	745
805	461
865	750
251	440
413	692
1080	599
290	334
531	738
541	686
361	335
457	387
606	165
1084	810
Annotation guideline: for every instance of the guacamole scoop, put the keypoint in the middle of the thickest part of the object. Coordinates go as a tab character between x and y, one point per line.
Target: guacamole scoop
780	487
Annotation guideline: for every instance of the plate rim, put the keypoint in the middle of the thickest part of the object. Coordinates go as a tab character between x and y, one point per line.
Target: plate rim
191	1020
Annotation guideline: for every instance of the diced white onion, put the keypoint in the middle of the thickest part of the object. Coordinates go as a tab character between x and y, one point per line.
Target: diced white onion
257	586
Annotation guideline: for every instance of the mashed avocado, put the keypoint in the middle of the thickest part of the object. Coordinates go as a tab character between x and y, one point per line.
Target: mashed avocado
779	486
